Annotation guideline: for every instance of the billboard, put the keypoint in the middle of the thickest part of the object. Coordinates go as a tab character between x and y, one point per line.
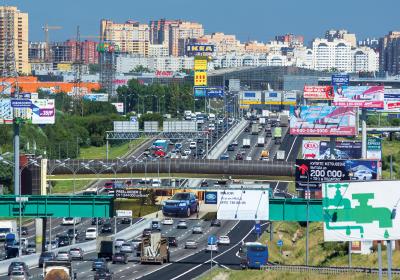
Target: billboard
250	97
200	63
289	98
107	47
119	106
100	97
374	146
361	211
199	91
194	49
359	96
200	78
392	99
340	80
311	173
273	98
215	92
318	92
317	149
43	111
243	205
6	111
323	120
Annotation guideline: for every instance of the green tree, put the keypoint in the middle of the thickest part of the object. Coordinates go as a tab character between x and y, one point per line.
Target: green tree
140	69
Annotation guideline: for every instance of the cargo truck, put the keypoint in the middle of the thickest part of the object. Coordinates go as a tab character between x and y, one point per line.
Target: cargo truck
58	270
254	129
260	142
105	247
6	227
278	135
160	144
246	143
154	249
284	120
262	121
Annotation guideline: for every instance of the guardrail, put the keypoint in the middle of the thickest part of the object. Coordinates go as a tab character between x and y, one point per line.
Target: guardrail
327	269
87	247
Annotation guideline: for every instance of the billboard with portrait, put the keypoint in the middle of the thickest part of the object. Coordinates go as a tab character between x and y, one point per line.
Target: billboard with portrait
323	120
318	92
359	96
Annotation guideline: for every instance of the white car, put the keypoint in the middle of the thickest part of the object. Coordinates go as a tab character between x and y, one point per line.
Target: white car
184	157
182	224
91	233
70	221
363	175
187	152
126	248
119	242
211	248
156	183
168	221
191	244
224	240
211	127
193	145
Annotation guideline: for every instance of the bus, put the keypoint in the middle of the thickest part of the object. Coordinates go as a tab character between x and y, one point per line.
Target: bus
253	255
91	191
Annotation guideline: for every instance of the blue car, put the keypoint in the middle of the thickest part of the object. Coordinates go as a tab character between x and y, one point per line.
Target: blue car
181	204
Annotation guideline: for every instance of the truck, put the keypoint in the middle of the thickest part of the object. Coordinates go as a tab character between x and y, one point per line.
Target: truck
262	120
188	115
154	249
6	227
277	135
246	143
260	142
10	240
105	247
58	270
160	144
254	129
284	120
264	155
265	113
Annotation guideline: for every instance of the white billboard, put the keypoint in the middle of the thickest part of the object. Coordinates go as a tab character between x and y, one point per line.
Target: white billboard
43	111
100	97
119	107
361	211
243	205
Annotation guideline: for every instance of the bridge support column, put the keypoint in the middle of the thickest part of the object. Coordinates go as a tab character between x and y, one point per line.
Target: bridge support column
39	230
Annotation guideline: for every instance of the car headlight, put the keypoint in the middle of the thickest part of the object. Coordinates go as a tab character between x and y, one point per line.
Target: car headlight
182	204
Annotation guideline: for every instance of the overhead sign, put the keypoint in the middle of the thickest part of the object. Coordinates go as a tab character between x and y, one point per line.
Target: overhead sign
200	63
318	149
273	98
318	92
243	205
374	146
194	49
359	96
124	213
361	211
257	228
340	80
99	97
323	120
6	112
43	111
311	173
200	78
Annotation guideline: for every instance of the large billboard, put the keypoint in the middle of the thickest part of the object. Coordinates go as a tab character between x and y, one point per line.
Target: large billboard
119	106
243	205
43	111
319	149
289	98
100	97
392	100
250	97
318	92
215	92
273	98
374	146
199	49
200	63
323	120
311	173
340	80
361	211
359	96
200	78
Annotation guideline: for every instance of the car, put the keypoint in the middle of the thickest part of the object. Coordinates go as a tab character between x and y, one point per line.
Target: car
99	264
120	258
19	275
187	152
63	256
118	242
126	247
193	145
197	230
146	232
247	129
30	249
239	156
231	148
126	220
235	143
159	153
24	230
191	244
211	248
200	152
181	203
45	257
172	241
224	240
17	266
155	183
54	245
155	225
215	223
98	221
184	157
168	221
204	184
76	253
63	240
103	274
181	224
224	156
91	233
71	233
107	228
70	221
362	175
108	185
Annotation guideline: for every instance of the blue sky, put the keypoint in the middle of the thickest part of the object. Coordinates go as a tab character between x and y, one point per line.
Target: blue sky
249	19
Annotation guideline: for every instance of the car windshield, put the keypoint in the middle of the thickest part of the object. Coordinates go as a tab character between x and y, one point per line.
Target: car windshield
257	248
91	230
181	196
47	254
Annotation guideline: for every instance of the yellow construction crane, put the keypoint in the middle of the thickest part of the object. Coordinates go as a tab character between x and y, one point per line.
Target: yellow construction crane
46	28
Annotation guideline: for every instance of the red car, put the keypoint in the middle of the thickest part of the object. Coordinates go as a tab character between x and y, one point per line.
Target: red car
159	153
108	185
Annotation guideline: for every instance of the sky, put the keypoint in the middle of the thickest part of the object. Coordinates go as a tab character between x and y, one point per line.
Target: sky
257	20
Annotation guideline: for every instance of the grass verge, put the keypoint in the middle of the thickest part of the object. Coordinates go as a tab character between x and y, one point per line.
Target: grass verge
138	210
68	186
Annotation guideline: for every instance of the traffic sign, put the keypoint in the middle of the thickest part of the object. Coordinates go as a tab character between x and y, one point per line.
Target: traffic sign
257	228
212	240
124	213
279	243
133	119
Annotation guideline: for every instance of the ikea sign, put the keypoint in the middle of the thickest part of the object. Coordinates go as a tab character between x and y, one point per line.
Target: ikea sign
199	49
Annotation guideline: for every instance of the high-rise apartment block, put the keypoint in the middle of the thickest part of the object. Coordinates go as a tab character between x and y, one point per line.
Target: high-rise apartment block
14	39
179	35
290	39
389	50
333	34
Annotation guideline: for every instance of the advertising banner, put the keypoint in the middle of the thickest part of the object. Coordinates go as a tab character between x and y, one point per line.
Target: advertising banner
250	97
317	149
374	146
273	98
392	99
323	120
200	78
289	98
199	91
43	111
200	63
99	97
199	49
361	211
359	96
215	92
318	92
6	111
311	173
243	205
340	80
124	193
119	106
124	213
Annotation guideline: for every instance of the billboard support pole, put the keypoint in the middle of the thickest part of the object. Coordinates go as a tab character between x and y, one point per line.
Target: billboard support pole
16	159
389	256
349	253
332	146
308	218
364	133
380	259
107	149
271	231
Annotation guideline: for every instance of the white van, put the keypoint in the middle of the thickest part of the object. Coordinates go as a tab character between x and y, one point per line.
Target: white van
211	117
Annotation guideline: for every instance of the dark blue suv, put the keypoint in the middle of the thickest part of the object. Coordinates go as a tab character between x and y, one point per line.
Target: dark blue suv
181	204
